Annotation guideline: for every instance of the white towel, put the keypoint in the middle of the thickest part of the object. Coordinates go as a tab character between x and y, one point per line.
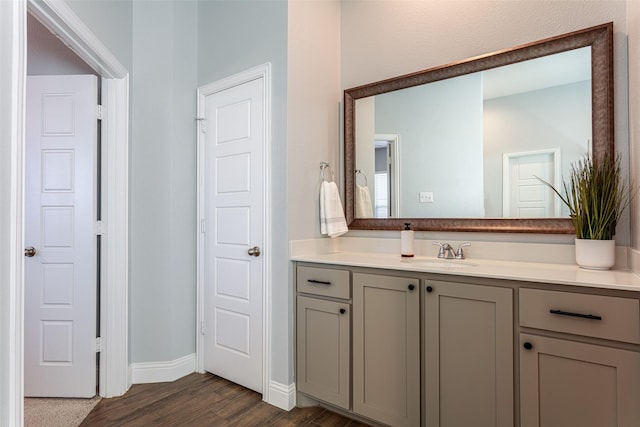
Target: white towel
364	208
332	221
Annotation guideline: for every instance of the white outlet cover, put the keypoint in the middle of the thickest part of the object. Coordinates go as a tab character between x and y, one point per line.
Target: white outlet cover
426	197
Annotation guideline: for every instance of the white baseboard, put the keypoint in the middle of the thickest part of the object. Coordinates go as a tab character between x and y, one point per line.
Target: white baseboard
161	372
282	396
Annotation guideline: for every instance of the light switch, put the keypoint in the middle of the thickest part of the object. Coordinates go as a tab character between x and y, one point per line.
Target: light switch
426	197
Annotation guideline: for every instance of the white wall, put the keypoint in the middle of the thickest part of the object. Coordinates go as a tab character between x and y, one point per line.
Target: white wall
633	23
313	96
422	34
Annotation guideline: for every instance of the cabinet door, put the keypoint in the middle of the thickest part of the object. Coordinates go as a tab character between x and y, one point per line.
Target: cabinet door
323	356
468	355
386	349
571	384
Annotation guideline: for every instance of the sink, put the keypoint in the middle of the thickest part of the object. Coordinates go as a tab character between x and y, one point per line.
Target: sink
440	263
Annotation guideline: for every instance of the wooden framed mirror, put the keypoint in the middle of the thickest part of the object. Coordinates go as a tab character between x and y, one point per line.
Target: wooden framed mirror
596	42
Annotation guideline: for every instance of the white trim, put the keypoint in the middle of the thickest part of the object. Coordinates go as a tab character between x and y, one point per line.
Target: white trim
12	93
506	176
282	396
163	372
260	72
114	309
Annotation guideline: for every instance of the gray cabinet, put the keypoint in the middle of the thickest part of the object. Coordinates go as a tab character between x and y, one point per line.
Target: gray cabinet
469	355
386	349
323	356
323	334
565	383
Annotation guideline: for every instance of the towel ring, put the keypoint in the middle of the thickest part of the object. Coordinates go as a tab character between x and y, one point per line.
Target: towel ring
323	167
359	172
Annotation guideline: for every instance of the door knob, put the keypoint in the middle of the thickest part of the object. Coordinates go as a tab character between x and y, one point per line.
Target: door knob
30	251
254	251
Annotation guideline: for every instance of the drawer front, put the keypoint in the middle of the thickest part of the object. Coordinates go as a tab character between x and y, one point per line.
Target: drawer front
611	318
324	281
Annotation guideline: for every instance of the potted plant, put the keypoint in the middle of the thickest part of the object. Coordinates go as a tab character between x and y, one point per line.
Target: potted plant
596	197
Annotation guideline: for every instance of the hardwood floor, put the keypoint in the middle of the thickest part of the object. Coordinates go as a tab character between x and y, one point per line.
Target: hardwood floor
203	400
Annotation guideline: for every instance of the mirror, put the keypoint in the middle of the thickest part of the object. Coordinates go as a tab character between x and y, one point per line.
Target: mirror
447	148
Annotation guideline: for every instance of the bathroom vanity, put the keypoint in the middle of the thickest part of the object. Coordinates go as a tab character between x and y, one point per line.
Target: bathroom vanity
429	342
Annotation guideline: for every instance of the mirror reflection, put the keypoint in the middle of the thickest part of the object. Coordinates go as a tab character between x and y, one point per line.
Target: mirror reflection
470	146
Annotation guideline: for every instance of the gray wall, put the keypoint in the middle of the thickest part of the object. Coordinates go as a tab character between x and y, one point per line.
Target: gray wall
234	36
440	128
543	119
163	180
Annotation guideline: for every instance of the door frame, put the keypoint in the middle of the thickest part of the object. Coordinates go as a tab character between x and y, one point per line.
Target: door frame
393	146
260	72
506	175
62	21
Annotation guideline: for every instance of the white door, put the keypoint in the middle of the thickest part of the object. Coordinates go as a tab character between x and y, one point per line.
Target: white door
60	277
524	195
233	273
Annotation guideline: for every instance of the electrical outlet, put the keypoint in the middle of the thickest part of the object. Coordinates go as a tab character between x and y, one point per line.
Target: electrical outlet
426	197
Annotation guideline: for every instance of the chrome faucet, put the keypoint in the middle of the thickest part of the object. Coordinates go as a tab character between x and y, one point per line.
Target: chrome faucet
446	250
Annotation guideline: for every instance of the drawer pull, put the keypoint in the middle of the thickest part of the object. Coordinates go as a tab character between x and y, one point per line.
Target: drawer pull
568	313
321	282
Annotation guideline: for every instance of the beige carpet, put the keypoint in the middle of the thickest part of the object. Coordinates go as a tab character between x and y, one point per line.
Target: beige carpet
50	412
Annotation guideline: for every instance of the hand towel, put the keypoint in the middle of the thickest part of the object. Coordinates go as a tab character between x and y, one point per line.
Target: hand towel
364	208
332	221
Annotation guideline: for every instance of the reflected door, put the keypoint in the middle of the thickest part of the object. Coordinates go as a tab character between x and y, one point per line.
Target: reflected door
524	195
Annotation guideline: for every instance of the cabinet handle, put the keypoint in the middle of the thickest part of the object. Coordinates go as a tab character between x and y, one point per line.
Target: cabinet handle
411	287
429	289
582	316
528	346
321	282
343	311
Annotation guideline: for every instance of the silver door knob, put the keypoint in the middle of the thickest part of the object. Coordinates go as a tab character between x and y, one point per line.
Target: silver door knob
254	251
30	251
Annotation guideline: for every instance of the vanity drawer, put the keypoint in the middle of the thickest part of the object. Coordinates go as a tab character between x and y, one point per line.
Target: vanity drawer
611	318
324	281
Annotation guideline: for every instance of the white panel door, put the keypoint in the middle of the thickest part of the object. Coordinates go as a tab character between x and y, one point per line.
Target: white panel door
234	138
60	278
527	196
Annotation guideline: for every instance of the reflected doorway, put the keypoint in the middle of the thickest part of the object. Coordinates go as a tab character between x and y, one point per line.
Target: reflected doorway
386	198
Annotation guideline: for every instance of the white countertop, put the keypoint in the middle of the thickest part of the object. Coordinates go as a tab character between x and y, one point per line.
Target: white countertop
562	274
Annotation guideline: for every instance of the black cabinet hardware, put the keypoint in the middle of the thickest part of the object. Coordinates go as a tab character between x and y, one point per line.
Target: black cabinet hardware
321	282
528	346
343	311
582	316
429	289
411	287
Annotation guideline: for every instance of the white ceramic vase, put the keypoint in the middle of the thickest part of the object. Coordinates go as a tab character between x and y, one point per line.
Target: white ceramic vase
595	254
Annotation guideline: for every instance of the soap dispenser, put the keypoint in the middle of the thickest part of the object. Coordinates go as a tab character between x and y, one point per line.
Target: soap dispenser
406	241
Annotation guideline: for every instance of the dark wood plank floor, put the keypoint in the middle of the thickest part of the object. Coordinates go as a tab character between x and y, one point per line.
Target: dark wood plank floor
203	400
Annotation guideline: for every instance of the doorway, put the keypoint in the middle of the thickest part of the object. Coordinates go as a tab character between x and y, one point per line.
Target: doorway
60	19
233	242
386	202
